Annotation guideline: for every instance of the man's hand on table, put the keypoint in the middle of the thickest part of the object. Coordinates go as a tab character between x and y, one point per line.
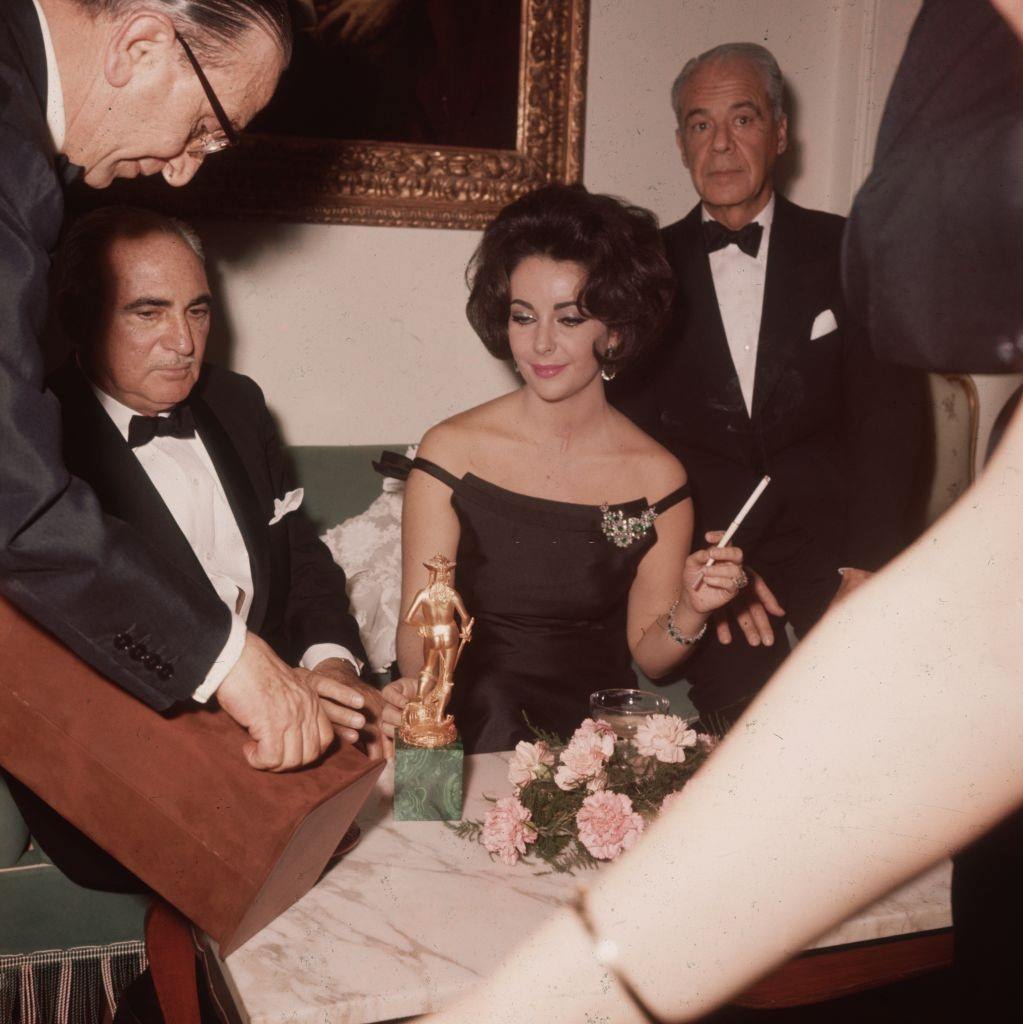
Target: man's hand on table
396	695
351	704
750	609
278	707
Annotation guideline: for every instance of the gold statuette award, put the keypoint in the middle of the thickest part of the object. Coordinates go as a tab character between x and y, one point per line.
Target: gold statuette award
434	610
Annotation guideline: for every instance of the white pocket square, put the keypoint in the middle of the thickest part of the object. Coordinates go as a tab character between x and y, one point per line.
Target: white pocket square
823	323
282	506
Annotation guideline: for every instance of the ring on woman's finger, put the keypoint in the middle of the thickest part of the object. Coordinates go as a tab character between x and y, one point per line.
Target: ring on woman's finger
741	580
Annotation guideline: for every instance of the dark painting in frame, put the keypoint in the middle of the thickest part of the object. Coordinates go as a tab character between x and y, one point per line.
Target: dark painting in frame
298	178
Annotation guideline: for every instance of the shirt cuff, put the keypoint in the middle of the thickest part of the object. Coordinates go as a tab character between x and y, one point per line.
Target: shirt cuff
320	652
226	660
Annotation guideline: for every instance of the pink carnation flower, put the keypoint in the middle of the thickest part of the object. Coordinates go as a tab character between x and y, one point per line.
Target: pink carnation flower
565	778
664	737
596	726
608	824
584	758
506	830
530	761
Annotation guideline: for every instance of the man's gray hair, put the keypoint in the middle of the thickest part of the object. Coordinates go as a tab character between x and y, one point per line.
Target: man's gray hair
211	25
757	55
80	264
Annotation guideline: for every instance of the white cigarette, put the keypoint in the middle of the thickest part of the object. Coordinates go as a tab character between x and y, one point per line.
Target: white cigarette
737	521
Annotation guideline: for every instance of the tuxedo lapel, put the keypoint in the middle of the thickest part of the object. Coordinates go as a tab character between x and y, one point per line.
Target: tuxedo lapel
96	451
27	35
784	299
243	501
704	329
22	25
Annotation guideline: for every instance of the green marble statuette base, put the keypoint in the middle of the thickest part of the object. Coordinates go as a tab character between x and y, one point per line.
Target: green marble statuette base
427	783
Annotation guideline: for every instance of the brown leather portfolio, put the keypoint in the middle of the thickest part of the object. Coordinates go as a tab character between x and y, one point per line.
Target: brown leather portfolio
171	797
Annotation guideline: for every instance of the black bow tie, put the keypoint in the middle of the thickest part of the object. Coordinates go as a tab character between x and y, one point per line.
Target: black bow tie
142	429
717	236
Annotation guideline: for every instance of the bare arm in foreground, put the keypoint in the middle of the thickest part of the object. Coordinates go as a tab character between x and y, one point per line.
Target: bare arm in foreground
890	738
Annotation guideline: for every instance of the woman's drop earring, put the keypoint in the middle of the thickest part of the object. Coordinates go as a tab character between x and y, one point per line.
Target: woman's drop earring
609	373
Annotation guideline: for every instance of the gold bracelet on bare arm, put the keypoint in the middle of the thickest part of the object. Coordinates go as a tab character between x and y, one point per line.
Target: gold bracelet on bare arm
605	952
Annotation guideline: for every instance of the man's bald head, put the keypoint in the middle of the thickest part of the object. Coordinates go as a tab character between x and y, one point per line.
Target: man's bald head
213	25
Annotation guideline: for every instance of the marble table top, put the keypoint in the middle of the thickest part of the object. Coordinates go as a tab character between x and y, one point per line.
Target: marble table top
414	916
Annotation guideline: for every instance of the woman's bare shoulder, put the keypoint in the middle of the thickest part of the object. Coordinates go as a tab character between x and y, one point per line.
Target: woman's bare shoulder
658	469
666	473
451	442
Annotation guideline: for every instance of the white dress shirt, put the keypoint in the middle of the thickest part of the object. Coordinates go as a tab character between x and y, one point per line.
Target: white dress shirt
56	120
183	474
739	286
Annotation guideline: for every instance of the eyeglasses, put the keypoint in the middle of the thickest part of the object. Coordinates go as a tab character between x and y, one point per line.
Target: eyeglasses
207	142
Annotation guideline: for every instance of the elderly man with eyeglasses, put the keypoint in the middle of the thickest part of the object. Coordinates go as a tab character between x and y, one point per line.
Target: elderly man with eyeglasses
107	89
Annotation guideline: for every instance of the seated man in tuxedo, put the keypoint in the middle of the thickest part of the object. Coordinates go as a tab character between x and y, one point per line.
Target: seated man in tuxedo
762	372
188	455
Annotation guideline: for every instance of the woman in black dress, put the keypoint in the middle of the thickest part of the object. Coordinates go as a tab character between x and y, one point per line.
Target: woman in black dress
570	527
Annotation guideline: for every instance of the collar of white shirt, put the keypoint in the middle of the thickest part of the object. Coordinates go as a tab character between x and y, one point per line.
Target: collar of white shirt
120	413
765	218
56	119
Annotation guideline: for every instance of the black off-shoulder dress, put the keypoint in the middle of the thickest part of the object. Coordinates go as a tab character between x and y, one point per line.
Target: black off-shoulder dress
549	591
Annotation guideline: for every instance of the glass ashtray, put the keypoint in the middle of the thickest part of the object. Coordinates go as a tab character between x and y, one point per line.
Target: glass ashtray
623	710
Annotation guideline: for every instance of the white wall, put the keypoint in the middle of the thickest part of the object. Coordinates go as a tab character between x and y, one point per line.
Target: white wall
358	334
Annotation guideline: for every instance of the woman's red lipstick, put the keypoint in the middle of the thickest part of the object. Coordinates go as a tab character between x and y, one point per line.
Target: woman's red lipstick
546	371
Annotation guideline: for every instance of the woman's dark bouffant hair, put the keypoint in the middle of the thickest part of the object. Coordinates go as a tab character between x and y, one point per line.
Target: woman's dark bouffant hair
628	284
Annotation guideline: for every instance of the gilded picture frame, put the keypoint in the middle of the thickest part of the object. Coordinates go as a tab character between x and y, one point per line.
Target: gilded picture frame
286	178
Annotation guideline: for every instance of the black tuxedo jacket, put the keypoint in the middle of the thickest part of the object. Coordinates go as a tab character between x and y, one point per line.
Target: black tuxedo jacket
838	433
298	591
934	251
84	577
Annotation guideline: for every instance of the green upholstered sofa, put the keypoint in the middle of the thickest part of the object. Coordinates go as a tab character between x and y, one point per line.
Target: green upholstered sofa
339	481
66	953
